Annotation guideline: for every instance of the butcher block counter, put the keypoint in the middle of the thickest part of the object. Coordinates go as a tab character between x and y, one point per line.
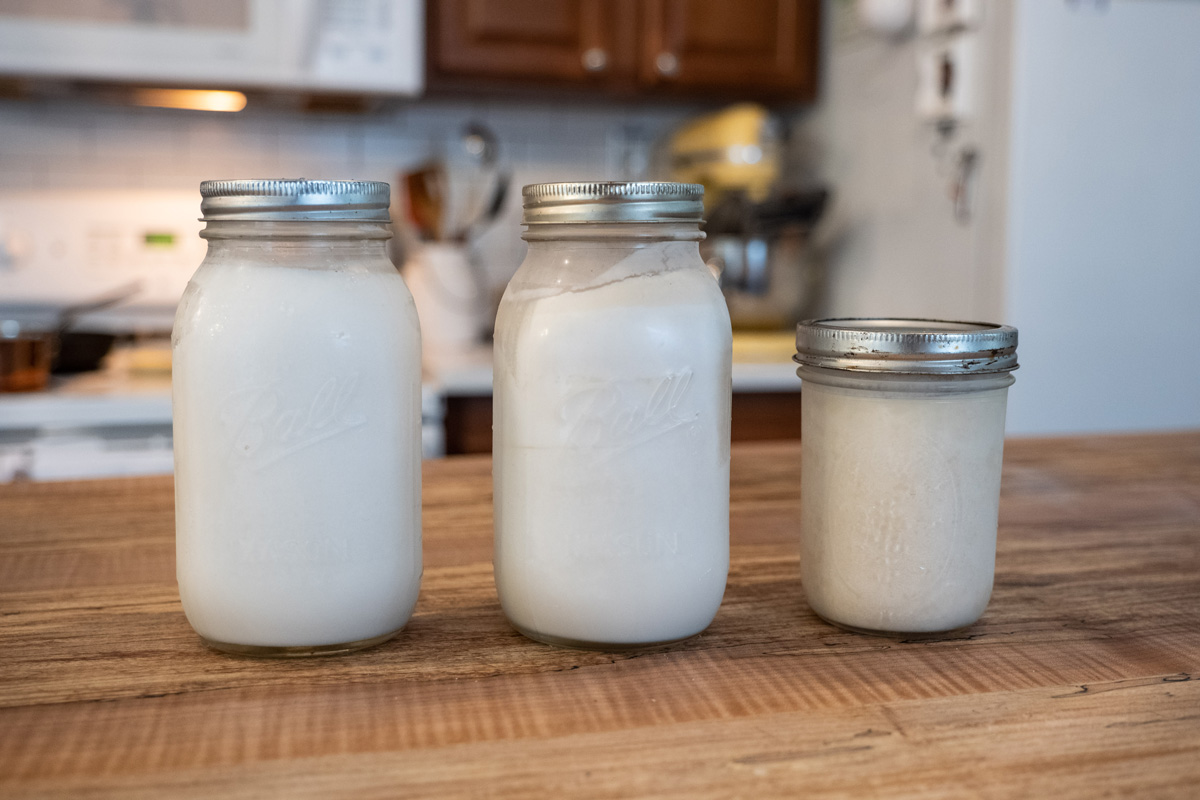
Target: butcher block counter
1079	681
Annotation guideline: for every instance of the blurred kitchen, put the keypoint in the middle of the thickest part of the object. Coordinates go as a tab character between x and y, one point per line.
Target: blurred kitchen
1029	162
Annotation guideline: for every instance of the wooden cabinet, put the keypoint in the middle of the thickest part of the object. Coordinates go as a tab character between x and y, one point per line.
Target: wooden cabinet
747	48
770	45
565	41
757	417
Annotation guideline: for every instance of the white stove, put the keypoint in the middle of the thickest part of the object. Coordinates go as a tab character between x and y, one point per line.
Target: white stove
60	247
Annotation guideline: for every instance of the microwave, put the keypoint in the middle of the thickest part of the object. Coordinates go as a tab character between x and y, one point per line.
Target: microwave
337	46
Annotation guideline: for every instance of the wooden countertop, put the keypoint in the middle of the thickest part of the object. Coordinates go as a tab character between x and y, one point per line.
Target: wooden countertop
1078	681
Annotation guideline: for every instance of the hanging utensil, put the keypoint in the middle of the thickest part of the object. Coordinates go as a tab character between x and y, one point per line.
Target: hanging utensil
495	204
425	192
472	165
83	351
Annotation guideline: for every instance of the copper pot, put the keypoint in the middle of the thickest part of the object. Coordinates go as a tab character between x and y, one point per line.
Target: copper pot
25	358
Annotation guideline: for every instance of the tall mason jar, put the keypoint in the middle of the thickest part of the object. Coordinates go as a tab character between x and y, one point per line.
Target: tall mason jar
296	390
903	424
612	412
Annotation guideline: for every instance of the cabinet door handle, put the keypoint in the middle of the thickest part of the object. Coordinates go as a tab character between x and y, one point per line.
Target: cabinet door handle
667	65
595	59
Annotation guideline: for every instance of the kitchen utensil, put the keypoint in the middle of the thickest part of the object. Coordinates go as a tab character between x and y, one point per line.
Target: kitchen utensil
449	295
481	145
761	254
450	199
473	175
25	357
737	149
425	190
82	351
30	353
494	206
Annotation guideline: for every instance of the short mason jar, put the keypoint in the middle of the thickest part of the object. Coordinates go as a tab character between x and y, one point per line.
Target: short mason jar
612	396
903	438
297	410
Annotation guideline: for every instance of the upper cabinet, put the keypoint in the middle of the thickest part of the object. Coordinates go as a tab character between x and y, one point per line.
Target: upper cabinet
743	48
565	41
766	45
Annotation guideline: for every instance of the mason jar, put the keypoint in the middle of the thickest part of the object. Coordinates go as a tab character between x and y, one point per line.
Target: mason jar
612	413
296	396
903	426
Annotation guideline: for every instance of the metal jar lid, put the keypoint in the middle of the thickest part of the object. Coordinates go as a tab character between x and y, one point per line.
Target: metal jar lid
907	346
619	201
295	200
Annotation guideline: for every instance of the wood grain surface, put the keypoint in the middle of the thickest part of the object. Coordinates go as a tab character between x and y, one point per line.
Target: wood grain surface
1077	682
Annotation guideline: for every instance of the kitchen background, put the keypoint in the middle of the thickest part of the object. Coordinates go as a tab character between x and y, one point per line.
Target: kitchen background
1062	199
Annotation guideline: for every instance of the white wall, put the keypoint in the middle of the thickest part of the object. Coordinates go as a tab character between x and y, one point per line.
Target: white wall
895	246
1103	276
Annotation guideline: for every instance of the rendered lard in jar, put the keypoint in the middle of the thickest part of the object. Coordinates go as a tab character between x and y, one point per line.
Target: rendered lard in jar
903	426
296	372
612	414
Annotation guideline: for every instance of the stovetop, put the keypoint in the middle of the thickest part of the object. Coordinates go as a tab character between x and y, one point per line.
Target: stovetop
64	247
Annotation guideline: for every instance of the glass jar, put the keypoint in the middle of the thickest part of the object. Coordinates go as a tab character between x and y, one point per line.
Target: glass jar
903	425
612	412
297	410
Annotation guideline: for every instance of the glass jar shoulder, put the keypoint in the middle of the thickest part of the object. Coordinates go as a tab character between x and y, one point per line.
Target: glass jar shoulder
660	323
672	306
577	265
601	274
246	293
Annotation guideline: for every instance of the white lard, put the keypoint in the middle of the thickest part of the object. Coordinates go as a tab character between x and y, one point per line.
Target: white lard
899	500
297	425
612	413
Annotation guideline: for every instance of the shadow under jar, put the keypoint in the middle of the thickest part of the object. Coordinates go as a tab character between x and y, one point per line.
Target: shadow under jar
613	353
297	411
900	470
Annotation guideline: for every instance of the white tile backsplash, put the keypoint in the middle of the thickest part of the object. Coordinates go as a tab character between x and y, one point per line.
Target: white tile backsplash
65	145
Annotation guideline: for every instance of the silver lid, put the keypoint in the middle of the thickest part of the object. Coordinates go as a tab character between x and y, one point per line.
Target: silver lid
907	346
613	201
295	200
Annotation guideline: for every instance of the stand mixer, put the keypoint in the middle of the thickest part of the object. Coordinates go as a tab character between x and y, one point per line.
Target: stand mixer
758	231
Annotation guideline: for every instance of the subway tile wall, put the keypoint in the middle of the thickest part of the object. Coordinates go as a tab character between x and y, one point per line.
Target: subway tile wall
64	145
